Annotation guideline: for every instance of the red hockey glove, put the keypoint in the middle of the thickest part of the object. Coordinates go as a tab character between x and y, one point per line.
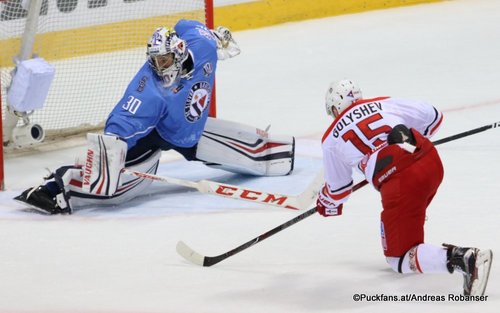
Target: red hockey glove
326	208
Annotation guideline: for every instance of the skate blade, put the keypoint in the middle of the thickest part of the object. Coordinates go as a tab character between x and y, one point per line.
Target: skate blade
483	266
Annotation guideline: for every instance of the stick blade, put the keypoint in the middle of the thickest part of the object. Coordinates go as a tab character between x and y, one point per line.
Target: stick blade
189	254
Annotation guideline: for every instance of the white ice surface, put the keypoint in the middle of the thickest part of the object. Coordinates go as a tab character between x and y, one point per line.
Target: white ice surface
123	259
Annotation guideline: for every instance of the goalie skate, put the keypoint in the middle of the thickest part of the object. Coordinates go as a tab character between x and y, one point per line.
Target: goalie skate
40	199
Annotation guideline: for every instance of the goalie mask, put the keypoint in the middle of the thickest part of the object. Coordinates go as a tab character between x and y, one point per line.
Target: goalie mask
166	53
340	95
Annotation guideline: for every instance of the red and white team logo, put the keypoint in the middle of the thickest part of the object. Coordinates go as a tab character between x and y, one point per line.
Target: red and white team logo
197	101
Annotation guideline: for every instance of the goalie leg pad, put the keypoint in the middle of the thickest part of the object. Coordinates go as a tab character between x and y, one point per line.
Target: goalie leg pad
245	149
103	163
129	187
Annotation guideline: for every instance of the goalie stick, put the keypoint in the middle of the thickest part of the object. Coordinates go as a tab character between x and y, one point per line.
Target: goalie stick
298	202
196	258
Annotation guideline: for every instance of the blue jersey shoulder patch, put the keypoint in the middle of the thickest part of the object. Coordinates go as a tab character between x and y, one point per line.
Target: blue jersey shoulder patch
197	101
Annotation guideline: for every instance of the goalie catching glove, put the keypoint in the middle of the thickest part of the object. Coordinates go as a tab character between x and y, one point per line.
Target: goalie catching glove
226	45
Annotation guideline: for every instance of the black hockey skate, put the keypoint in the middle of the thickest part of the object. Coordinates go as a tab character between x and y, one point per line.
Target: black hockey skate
41	199
474	264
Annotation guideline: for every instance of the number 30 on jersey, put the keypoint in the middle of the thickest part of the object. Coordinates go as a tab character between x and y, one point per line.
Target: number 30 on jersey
132	105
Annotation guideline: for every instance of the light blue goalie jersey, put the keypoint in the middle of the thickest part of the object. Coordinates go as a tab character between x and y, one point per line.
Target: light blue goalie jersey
178	113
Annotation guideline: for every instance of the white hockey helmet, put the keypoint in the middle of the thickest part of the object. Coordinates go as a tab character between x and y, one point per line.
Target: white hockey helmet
166	52
340	95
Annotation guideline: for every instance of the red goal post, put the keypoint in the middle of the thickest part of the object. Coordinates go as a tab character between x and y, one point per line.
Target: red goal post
95	46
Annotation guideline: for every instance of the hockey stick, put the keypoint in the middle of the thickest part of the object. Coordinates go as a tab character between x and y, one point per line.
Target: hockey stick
299	202
194	257
467	133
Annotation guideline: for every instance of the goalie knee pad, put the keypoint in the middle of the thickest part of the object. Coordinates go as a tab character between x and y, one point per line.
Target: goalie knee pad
245	149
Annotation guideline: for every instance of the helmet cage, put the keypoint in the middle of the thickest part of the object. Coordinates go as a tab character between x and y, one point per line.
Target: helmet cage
166	52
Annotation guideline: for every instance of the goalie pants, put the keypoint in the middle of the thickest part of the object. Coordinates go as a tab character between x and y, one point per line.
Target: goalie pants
405	198
152	143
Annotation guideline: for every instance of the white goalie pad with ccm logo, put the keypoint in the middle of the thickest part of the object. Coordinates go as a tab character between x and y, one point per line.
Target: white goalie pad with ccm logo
245	149
103	163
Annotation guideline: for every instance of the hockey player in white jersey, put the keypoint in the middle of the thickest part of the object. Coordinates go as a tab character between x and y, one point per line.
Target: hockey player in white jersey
164	107
387	140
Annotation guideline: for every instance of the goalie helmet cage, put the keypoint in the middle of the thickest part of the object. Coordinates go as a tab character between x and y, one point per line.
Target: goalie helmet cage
96	47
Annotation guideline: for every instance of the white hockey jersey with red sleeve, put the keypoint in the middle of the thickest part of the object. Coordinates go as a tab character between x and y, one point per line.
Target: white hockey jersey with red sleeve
360	129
